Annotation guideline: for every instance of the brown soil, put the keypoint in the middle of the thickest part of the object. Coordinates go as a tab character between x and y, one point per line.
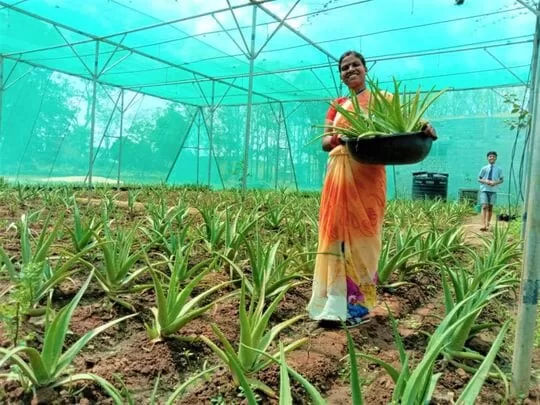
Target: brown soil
125	352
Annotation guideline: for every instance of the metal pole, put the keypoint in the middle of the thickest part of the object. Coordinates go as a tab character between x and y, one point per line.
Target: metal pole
214	155
181	146
289	145
199	143
120	139
530	278
531	107
1	101
93	116
211	134
276	175
309	41
249	100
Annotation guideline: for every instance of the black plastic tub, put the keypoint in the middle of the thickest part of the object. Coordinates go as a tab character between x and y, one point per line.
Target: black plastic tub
395	149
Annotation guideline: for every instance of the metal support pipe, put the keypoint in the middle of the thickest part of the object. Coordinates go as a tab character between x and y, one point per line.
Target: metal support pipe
120	138
93	116
105	40
276	174
210	132
529	7
7	83
289	145
531	106
181	147
249	101
281	23
212	154
109	122
530	277
1	103
298	33
500	62
199	143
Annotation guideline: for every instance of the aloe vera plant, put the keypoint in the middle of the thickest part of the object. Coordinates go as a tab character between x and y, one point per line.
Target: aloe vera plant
396	255
175	306
477	290
255	339
473	387
499	250
160	220
236	229
270	275
50	367
120	254
416	386
81	232
387	114
285	371
213	229
436	246
34	275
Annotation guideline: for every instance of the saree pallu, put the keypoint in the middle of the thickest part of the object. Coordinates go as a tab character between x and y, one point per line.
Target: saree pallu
350	224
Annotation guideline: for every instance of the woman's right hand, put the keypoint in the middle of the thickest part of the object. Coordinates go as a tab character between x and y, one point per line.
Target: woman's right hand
329	142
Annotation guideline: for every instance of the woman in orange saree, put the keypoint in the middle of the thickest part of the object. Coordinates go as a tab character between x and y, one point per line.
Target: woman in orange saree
351	217
350	220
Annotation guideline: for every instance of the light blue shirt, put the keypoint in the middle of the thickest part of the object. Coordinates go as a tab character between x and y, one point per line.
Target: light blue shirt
496	175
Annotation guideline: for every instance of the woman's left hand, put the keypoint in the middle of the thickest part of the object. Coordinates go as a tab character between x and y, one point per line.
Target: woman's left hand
429	130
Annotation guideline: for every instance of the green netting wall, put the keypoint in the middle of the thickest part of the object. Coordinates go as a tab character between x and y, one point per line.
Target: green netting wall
172	87
46	132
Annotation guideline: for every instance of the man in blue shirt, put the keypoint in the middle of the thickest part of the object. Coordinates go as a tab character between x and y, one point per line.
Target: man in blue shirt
489	178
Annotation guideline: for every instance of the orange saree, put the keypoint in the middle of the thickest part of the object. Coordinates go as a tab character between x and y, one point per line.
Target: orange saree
350	224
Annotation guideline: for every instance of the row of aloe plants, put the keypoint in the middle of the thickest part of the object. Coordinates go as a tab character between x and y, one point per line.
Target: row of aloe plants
159	245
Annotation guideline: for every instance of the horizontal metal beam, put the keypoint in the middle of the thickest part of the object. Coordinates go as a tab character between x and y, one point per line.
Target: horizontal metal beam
327	100
177	20
120	46
325	65
529	7
103	83
298	33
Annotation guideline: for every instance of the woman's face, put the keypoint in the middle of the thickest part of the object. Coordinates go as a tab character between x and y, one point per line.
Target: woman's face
353	72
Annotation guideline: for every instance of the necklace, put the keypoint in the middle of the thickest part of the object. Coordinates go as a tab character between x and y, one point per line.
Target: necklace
360	91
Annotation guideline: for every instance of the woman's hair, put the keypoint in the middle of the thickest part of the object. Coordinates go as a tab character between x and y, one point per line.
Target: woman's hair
357	54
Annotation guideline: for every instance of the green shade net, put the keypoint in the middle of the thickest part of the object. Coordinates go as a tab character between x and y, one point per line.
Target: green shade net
172	85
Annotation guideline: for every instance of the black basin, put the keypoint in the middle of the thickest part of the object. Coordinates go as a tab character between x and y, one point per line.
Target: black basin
395	149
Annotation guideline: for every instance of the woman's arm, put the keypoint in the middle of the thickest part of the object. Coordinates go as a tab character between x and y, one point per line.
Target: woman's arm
329	140
429	130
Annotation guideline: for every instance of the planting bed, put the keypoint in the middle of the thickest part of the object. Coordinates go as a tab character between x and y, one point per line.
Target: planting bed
145	370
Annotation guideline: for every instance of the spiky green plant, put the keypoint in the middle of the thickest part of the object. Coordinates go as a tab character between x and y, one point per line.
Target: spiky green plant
237	227
175	306
117	273
213	228
416	386
270	273
478	289
387	114
396	255
473	387
285	397
50	367
255	339
82	232
34	274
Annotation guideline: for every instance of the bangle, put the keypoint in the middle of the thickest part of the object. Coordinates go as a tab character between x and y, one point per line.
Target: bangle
334	141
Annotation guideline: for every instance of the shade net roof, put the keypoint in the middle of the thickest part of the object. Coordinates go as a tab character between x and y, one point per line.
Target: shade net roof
199	52
140	91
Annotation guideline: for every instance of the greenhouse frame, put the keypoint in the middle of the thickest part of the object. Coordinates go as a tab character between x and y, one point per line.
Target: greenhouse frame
232	94
257	72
